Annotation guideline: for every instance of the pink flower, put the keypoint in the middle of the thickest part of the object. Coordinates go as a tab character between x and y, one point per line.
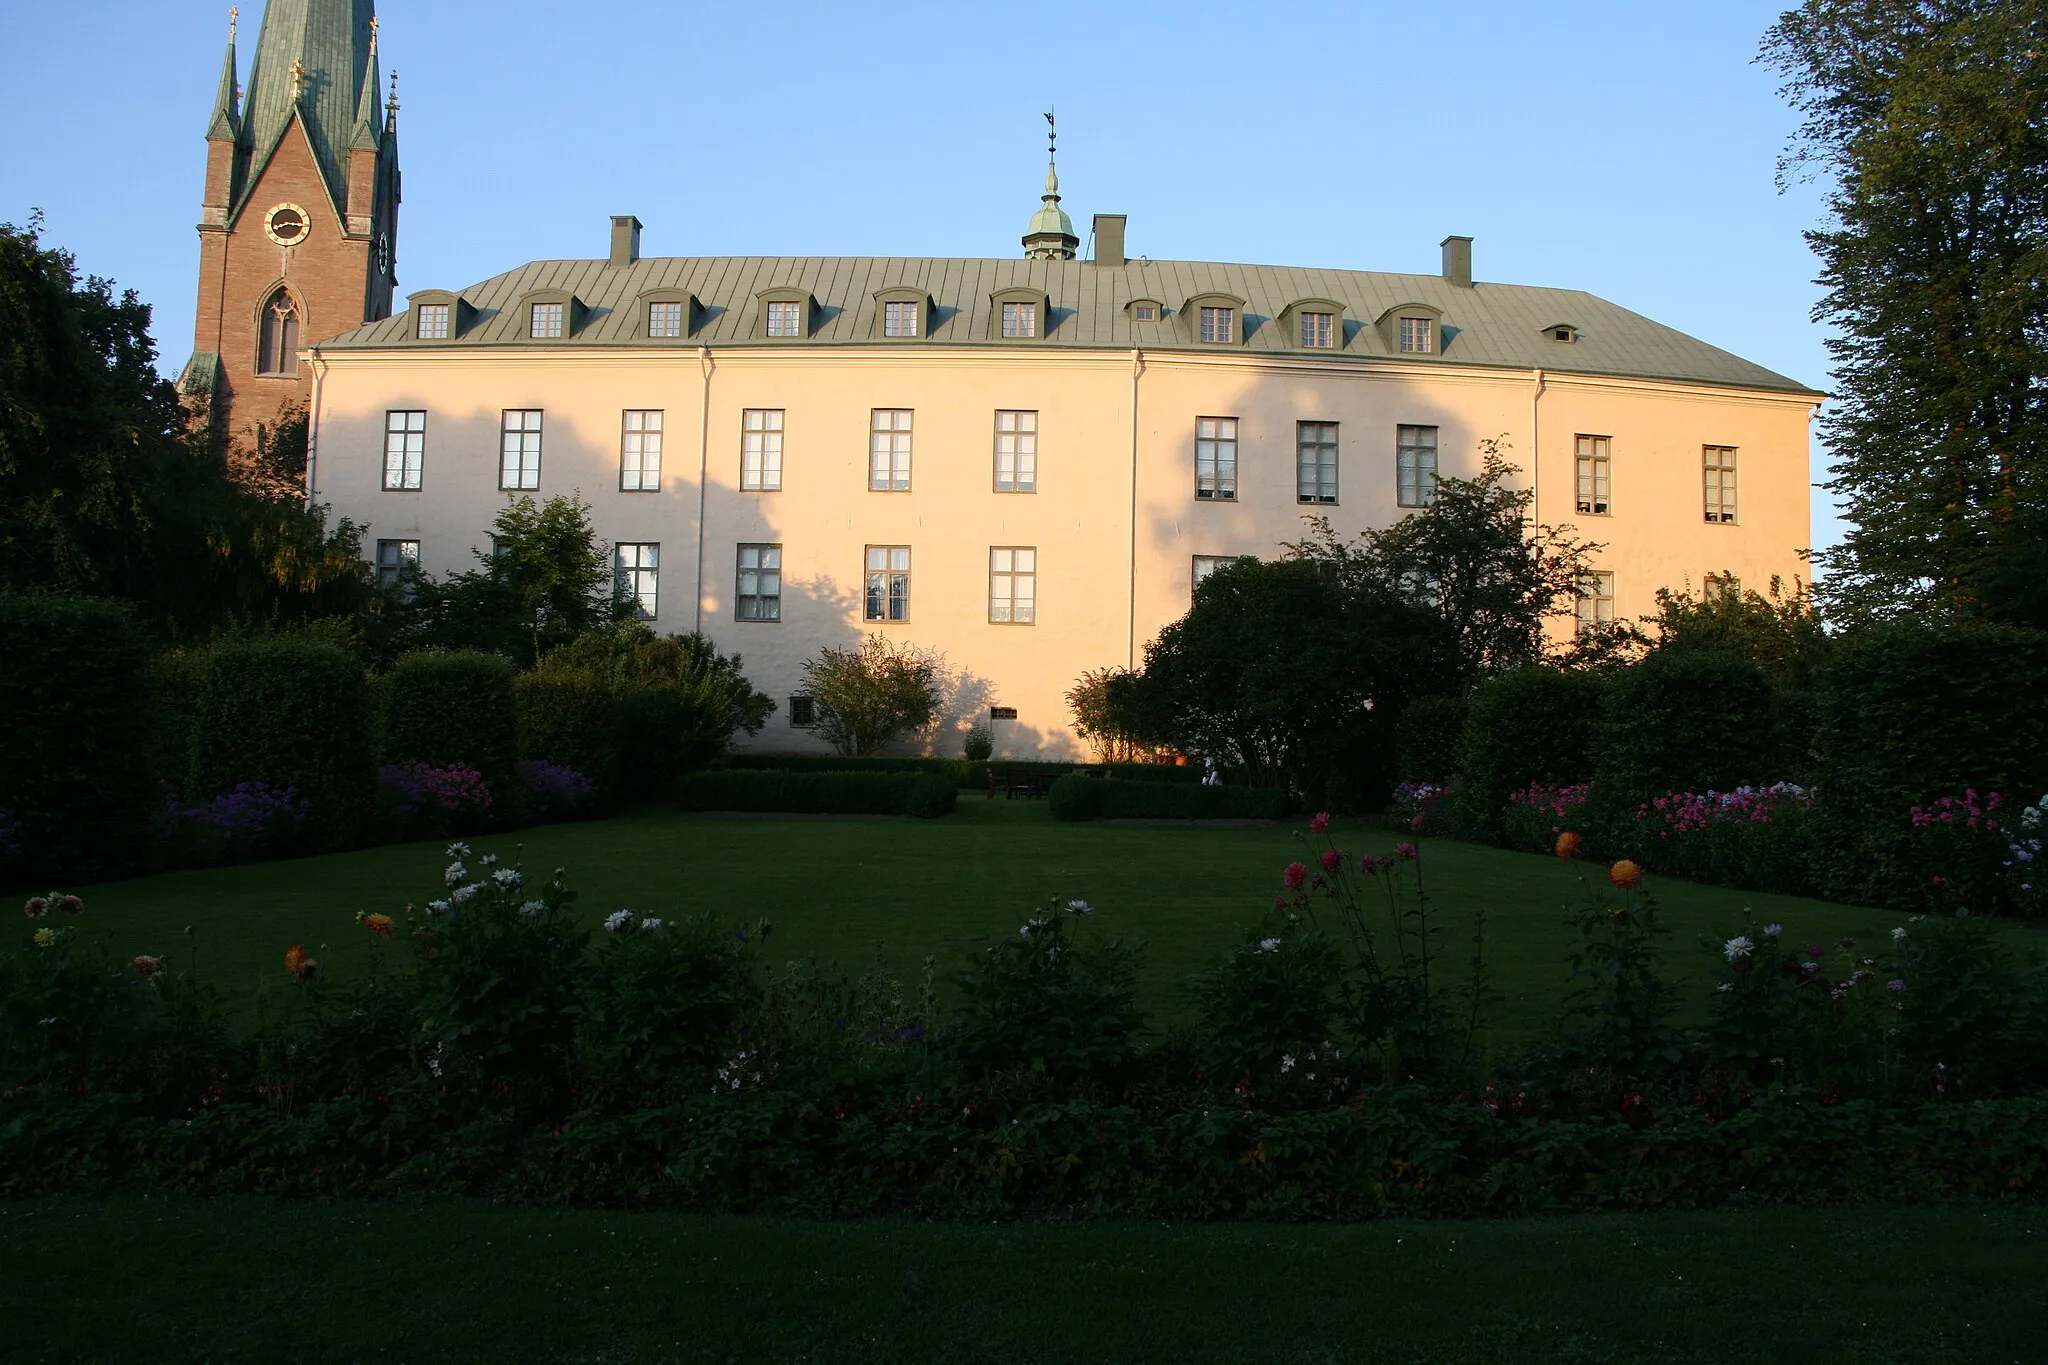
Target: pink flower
1331	860
1320	823
1295	875
1416	823
1369	865
1404	850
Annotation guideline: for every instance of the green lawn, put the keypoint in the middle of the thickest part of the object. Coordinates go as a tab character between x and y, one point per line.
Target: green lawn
842	889
168	1279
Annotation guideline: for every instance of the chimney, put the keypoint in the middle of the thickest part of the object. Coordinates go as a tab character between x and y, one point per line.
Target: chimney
1458	261
626	240
1109	239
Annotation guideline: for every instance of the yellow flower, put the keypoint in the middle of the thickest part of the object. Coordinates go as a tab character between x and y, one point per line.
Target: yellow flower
45	937
1626	875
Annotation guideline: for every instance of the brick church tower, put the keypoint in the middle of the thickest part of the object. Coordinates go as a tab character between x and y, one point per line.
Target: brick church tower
298	231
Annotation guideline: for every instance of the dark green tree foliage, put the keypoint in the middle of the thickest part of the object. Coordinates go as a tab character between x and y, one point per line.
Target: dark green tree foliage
1428	737
1925	118
569	715
873	694
173	680
679	700
1686	720
1281	670
1780	633
291	712
1530	724
449	707
74	748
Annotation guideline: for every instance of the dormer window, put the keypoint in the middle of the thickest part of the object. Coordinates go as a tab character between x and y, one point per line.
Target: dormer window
1020	319
438	315
1562	332
1213	320
1145	312
664	314
787	313
1418	336
1219	324
665	318
546	321
433	322
899	317
1318	330
1019	313
785	318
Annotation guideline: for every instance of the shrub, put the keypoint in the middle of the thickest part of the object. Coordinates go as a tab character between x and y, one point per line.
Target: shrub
568	716
1759	838
172	682
1080	797
860	793
419	801
253	821
1686	720
289	713
667	1006
872	694
554	791
978	745
1052	1001
1268	1009
1537	814
1527	725
1428	737
446	709
74	747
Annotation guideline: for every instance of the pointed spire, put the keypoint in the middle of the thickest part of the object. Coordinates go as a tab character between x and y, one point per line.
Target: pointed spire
391	105
365	134
227	105
1051	235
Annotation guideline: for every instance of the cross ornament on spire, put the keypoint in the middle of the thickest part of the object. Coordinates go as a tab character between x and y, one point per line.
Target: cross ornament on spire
234	16
373	34
298	79
391	105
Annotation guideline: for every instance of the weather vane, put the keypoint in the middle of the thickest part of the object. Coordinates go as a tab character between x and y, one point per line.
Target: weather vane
234	15
391	105
1052	135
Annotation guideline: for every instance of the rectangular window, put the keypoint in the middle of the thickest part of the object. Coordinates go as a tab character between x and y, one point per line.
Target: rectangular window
1720	475
899	319
757	594
1595	475
393	558
761	449
433	322
546	321
1016	452
1020	319
1146	312
519	449
889	450
1319	329
1596	601
665	319
1418	335
636	566
803	711
1315	461
405	450
1206	565
785	319
1723	585
640	452
1219	324
1216	458
1414	466
888	583
1012	585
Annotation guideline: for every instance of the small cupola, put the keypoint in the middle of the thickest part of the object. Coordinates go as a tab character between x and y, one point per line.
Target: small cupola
1051	235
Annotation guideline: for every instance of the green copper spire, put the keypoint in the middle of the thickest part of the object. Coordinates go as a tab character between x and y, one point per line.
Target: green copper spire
365	134
311	57
1051	234
227	120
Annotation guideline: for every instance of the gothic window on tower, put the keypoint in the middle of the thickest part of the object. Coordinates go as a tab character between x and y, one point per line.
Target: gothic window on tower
277	350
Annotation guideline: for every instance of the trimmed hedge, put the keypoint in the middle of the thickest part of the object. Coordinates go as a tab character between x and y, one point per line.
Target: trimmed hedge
924	795
290	712
1427	739
1532	724
1080	797
172	681
74	738
968	776
569	715
1686	720
443	707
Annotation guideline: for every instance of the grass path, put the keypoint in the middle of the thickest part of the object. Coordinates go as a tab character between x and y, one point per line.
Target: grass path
165	1279
846	889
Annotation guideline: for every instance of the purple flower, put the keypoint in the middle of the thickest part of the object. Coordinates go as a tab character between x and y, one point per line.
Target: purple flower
1895	985
555	790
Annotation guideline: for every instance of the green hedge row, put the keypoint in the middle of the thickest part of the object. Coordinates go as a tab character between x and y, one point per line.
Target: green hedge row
1080	797
828	793
447	707
963	773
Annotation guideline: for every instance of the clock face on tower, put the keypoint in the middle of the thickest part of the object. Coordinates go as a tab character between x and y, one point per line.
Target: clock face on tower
383	253
285	225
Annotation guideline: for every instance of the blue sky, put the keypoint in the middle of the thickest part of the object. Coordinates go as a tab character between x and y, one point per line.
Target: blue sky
1624	149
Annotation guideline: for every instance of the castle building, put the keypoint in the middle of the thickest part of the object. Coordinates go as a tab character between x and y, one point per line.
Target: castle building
1023	463
298	225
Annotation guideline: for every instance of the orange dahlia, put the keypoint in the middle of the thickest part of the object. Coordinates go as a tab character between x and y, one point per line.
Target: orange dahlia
380	925
1626	875
298	963
1567	845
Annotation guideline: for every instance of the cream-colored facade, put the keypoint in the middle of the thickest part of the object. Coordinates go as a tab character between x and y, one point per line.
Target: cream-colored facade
1113	518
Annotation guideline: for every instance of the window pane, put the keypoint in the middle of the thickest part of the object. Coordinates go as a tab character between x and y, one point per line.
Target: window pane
547	320
1218	324
758	588
1012	585
785	319
433	321
889	450
519	450
1318	329
405	444
1415	466
665	319
1316	461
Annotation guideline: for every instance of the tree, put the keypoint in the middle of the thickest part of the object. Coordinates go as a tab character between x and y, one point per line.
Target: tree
1780	633
872	694
1925	116
1096	716
1472	558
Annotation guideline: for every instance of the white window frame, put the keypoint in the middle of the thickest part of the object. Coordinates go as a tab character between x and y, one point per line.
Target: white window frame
1595	606
1594	469
544	320
889	432
901	317
1216	459
1315	462
1013	585
1203	566
1318	330
519	448
1020	318
636	567
1415	464
405	449
1418	336
761	450
434	321
1717	467
885	578
392	557
1217	324
785	317
640	450
673	323
757	582
1016	450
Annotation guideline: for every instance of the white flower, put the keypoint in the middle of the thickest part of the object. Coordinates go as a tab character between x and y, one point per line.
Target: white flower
617	920
1725	986
1287	1061
454	874
437	907
650	925
1031	927
506	878
1773	930
458	850
534	909
1079	908
1899	934
489	859
463	893
1268	945
1737	948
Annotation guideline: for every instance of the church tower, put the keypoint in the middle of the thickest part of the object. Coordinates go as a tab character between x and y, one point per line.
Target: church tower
298	229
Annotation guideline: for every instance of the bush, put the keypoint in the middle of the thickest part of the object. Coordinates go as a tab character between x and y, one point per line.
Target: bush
978	745
453	708
568	716
74	747
1427	739
668	1005
862	793
1686	720
1757	838
1265	1011
1052	1002
253	821
1912	711
1080	797
419	801
1526	725
556	792
289	713
172	681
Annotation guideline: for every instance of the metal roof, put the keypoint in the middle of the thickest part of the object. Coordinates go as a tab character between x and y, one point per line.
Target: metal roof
330	40
1484	325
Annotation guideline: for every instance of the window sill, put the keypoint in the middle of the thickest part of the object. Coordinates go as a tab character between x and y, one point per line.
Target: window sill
1316	502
